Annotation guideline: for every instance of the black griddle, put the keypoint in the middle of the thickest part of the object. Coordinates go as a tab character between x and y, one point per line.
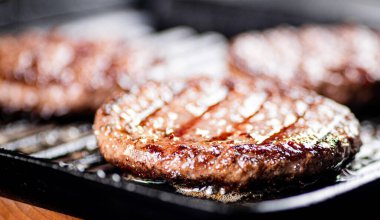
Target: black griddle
55	164
70	176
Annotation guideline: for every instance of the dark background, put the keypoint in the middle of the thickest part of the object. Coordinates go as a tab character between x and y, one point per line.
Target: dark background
226	16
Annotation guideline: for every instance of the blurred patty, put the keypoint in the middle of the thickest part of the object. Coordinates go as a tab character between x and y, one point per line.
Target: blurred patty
341	62
50	74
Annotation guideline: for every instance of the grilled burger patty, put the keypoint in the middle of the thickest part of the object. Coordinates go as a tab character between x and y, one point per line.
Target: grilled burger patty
231	132
341	62
50	74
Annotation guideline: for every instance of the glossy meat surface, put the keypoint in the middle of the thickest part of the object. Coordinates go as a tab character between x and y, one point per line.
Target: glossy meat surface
232	132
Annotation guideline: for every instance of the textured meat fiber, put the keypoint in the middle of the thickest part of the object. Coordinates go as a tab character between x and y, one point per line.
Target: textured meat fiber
231	132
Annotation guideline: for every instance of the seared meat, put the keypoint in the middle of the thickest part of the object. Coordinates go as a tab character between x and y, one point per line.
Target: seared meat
230	132
51	74
340	62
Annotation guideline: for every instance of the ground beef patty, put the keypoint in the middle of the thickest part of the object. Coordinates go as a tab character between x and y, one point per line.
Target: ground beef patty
50	74
341	62
231	132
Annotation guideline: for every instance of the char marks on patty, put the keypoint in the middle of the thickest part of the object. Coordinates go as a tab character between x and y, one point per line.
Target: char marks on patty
232	132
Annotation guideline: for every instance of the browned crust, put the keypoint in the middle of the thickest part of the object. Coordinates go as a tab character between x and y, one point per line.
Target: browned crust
287	153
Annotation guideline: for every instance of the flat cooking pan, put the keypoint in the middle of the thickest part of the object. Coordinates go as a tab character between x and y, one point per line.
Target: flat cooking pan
55	164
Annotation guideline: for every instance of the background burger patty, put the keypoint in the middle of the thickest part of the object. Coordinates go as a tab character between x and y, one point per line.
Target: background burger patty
51	74
340	62
228	131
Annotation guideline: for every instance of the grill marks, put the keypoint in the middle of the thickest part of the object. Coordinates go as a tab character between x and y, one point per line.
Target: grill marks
328	121
187	126
199	97
218	124
135	109
244	113
221	120
277	113
226	135
178	91
286	125
298	109
194	121
266	136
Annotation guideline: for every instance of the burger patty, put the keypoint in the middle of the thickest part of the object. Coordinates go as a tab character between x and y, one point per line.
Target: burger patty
341	62
51	74
230	132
